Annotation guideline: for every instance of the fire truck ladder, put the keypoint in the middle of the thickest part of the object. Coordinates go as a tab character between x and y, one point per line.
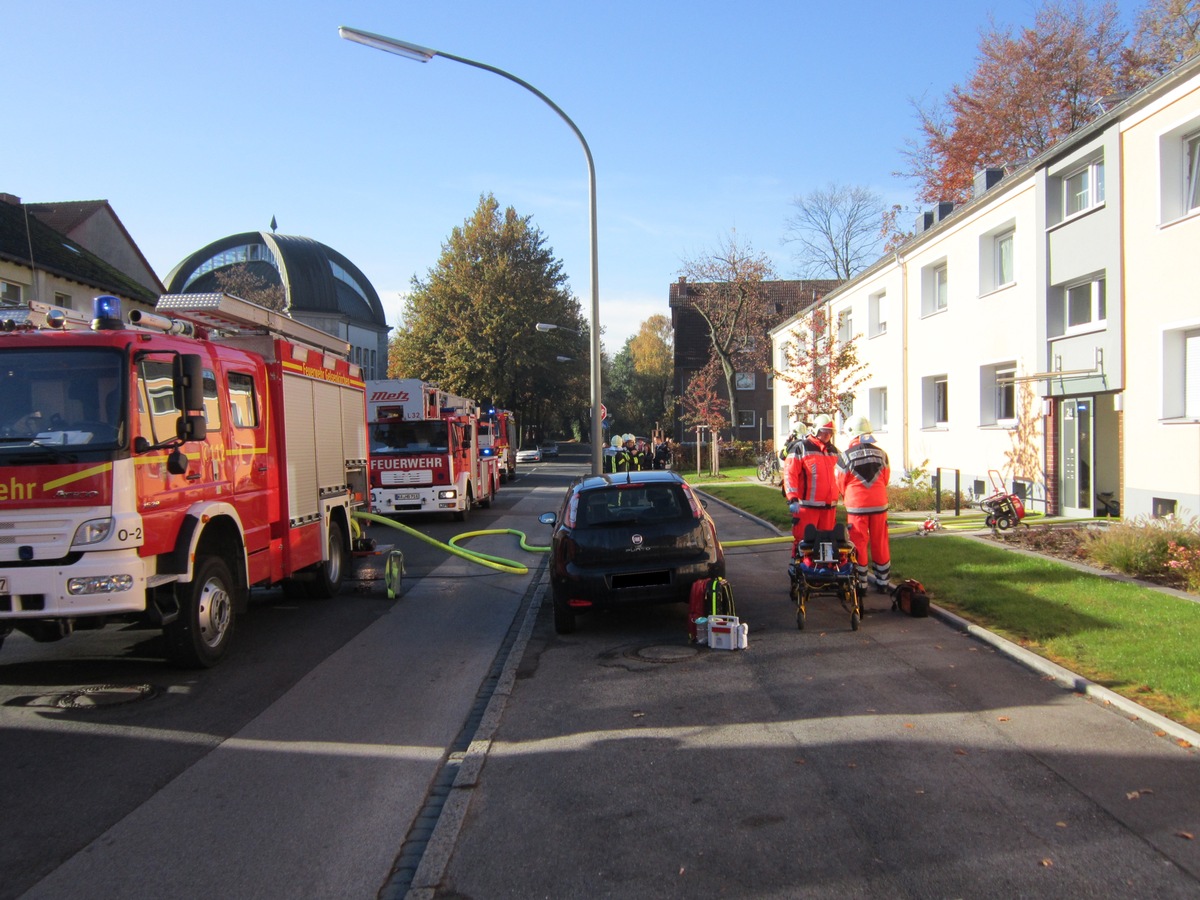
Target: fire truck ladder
233	315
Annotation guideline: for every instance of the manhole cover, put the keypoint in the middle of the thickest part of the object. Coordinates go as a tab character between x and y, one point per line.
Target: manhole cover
663	653
97	695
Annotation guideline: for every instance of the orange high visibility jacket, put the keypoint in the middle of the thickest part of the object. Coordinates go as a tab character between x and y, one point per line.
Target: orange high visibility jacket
863	474
810	473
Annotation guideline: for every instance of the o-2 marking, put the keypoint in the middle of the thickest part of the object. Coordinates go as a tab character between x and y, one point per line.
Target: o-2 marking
124	534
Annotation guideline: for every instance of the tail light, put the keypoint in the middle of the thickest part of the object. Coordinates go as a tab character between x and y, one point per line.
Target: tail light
572	509
697	509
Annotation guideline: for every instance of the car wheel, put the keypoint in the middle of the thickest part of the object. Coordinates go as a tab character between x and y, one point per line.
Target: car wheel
199	637
564	616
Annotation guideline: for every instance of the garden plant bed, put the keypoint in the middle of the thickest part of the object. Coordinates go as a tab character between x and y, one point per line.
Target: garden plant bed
1070	542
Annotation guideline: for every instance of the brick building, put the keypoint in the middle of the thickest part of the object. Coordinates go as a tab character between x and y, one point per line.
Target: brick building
693	346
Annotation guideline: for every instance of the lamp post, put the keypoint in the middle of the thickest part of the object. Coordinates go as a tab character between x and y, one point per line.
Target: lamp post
418	53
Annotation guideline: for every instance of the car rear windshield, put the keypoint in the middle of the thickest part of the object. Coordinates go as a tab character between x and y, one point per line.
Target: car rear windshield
638	504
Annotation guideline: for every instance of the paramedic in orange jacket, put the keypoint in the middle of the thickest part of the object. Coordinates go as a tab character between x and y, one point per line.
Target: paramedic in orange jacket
863	474
810	480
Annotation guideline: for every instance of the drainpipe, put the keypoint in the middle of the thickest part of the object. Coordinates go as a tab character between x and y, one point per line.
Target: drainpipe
904	404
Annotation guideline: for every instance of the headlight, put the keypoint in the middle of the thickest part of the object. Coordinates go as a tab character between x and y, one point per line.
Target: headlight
448	495
100	584
92	532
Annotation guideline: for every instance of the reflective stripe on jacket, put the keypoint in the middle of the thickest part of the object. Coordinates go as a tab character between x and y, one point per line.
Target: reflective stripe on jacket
863	474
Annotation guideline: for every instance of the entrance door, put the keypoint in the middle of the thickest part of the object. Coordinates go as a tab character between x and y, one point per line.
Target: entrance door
1076	456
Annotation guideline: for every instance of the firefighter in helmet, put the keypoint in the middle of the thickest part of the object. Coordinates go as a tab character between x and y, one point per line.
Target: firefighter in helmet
863	474
810	480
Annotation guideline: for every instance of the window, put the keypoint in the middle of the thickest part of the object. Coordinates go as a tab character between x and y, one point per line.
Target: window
61	299
1181	373
1085	305
935	288
997	394
10	293
845	326
743	381
1161	508
745	418
1083	189
935	401
877	404
1004	258
1191	174
243	408
877	314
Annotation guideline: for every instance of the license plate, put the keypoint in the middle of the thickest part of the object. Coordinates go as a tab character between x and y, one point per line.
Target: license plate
408	496
3	585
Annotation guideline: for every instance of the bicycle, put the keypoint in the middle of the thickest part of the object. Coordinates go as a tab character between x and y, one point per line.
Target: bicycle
769	468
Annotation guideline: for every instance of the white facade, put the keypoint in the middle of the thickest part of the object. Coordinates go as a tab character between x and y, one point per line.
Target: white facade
1160	149
1049	330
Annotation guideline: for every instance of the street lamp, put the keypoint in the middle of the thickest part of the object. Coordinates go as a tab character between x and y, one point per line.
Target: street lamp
546	326
424	54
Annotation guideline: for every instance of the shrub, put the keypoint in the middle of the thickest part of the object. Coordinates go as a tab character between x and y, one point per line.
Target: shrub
1186	560
1142	546
907	498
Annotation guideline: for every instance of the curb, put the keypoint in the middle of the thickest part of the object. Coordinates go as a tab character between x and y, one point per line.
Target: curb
1068	679
435	859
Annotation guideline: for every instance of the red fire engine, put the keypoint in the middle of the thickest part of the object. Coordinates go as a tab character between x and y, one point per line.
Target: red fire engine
158	469
425	450
498	430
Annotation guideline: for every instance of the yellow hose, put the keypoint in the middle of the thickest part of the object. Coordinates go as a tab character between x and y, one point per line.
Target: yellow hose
492	562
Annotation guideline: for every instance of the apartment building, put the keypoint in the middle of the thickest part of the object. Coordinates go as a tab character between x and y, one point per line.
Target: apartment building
1011	337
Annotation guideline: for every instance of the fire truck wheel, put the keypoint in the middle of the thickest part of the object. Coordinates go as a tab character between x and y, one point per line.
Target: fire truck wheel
461	515
328	576
199	637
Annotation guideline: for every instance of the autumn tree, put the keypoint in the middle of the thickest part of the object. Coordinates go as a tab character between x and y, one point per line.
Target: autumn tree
728	294
1031	87
1167	33
702	407
821	371
242	281
653	352
469	325
835	230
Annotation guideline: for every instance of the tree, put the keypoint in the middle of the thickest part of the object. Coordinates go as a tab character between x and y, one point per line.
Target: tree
704	408
1029	89
652	349
469	325
242	281
729	297
836	230
822	371
1168	32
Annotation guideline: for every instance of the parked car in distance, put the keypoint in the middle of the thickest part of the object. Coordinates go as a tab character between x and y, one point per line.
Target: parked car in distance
549	450
529	451
628	538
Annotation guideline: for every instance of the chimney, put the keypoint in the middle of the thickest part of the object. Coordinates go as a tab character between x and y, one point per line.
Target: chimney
925	221
944	209
985	180
10	199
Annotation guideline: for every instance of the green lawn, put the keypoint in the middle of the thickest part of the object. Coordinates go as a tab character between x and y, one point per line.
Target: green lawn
1134	640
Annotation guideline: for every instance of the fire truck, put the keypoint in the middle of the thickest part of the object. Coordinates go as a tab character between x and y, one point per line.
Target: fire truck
426	455
498	430
159	468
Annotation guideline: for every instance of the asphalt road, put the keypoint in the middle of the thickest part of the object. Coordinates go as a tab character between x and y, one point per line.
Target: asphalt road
295	768
905	759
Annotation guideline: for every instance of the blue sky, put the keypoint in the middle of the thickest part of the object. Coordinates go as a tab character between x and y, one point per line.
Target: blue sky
205	119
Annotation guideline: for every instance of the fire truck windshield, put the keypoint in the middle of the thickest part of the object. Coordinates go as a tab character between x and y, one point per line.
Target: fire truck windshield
61	397
425	436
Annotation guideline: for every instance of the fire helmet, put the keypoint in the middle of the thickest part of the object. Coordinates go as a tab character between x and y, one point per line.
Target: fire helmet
822	421
858	425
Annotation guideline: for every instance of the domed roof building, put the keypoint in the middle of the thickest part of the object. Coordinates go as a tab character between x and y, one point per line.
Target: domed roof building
321	287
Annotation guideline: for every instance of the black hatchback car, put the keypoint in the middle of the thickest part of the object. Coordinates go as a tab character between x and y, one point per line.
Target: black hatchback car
631	537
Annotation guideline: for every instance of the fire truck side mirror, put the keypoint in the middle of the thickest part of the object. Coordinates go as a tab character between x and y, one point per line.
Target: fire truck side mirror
191	428
177	462
189	382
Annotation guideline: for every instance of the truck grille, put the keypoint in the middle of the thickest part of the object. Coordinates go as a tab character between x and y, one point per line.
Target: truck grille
50	537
